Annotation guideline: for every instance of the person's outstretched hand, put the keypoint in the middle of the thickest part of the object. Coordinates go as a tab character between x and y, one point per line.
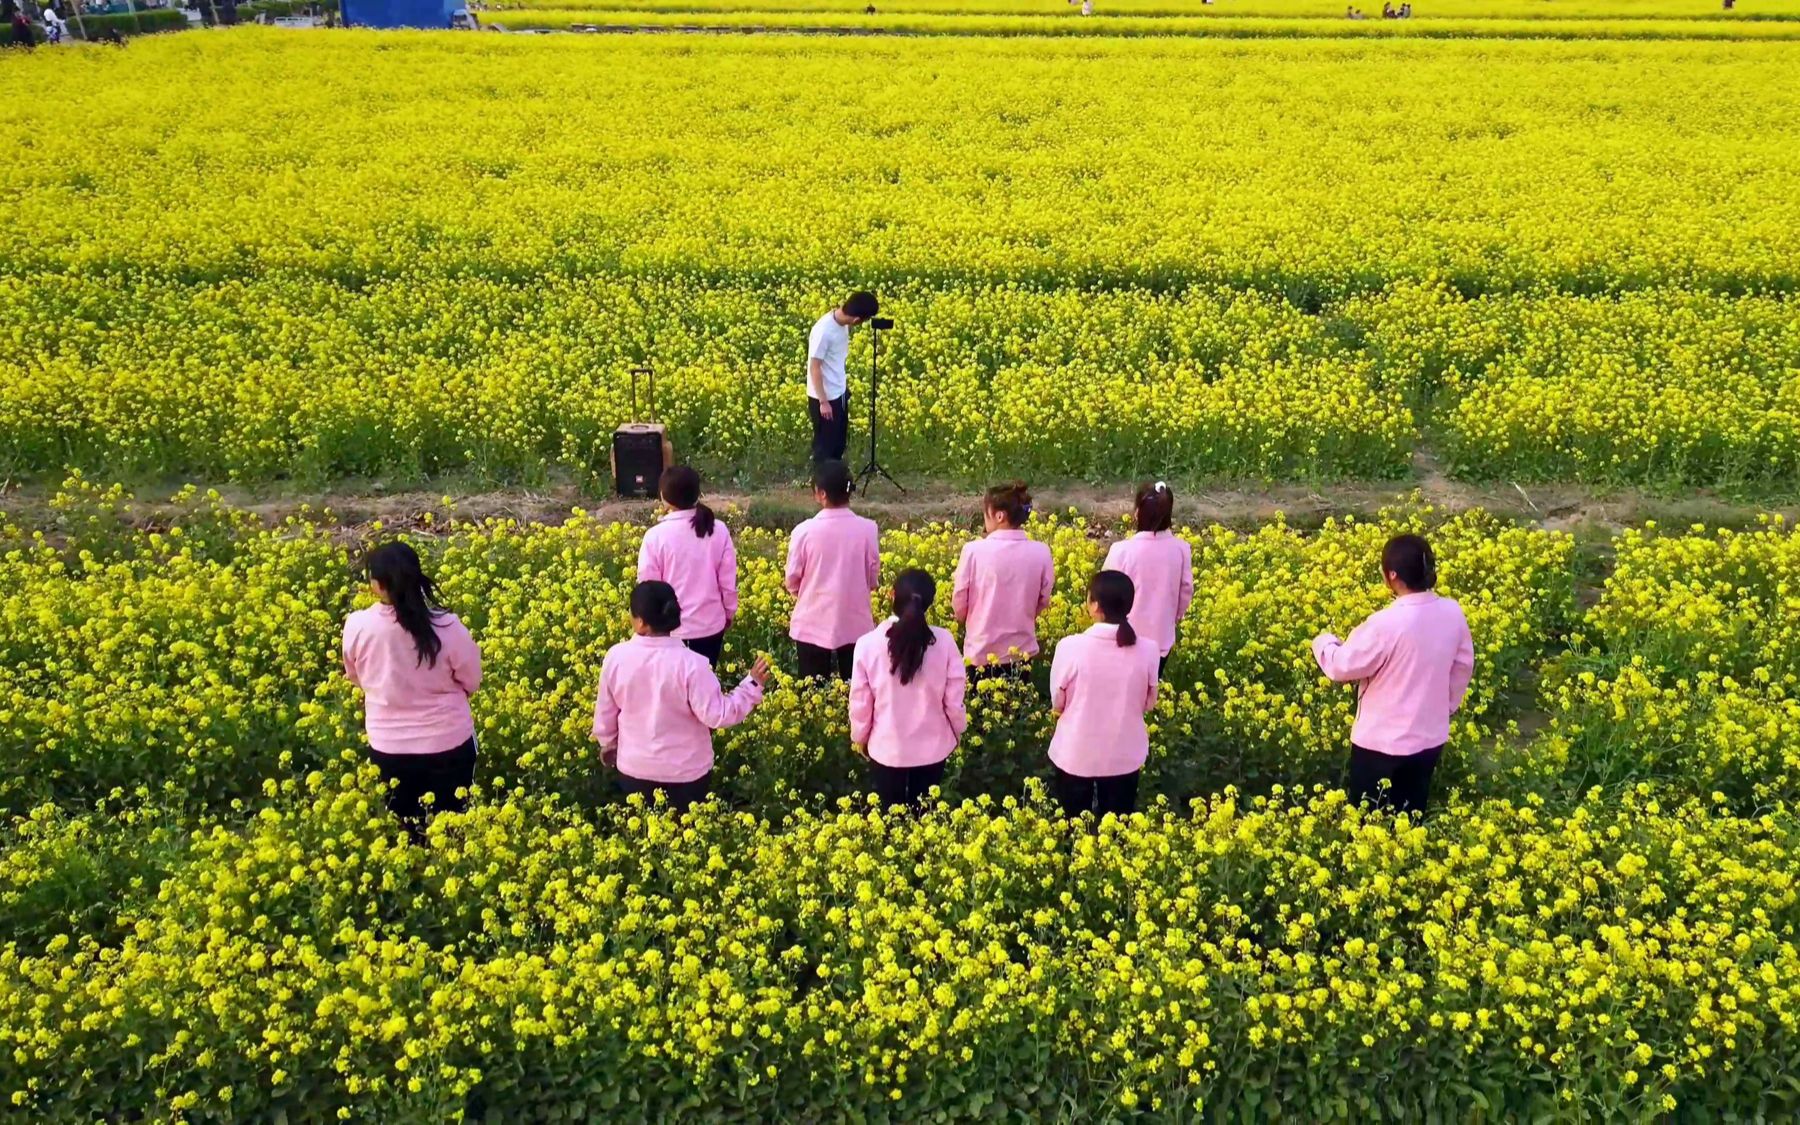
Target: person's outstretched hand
760	671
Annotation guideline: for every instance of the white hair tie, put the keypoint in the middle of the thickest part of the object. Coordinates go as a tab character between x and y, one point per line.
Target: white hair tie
1161	487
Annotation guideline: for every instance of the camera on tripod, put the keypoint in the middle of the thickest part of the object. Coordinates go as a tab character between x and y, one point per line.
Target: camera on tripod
873	469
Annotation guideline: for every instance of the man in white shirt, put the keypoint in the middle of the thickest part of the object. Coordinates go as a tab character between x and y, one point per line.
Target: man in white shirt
827	387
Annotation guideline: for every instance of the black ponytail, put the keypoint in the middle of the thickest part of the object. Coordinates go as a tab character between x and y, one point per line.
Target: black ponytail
1113	592
910	635
414	598
655	604
1154	507
681	488
1409	558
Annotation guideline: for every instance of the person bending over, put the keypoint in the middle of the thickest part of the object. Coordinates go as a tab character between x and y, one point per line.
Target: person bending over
827	386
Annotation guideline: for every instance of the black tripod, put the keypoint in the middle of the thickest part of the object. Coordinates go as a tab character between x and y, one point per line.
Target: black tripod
873	468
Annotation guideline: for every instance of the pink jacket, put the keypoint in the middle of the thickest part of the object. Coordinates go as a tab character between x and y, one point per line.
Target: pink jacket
703	572
833	567
1102	693
1413	660
412	707
1161	568
659	703
1002	583
912	724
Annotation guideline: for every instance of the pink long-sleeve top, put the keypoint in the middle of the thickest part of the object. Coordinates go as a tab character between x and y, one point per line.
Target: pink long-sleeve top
1002	583
1102	692
912	724
1413	660
412	706
702	571
833	567
659	703
1161	568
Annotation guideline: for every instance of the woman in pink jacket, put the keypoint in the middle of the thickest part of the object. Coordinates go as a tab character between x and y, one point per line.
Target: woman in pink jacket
659	703
417	666
692	551
833	567
1102	684
1003	582
906	696
1160	565
1411	663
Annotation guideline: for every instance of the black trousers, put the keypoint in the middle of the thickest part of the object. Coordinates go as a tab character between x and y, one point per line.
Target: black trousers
1019	670
830	437
1408	775
1162	669
822	663
411	776
1098	795
710	647
680	794
904	785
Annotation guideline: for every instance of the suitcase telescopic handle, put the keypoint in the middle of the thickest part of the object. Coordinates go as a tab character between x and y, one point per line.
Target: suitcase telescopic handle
650	378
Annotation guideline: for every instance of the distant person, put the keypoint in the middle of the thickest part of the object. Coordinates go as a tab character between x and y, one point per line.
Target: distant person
833	568
1102	684
906	696
417	666
1002	585
1160	565
659	703
55	28
1387	11
22	35
692	551
1087	7
869	11
827	386
1411	663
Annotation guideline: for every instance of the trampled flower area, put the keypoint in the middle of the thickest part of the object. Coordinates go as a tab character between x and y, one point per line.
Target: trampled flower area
1600	922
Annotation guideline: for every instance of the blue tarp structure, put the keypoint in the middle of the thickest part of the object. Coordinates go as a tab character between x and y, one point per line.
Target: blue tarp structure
400	13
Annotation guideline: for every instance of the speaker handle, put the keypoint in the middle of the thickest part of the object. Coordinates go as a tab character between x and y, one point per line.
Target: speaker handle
650	374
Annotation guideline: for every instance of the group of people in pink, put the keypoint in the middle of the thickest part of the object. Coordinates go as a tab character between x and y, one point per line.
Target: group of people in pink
660	700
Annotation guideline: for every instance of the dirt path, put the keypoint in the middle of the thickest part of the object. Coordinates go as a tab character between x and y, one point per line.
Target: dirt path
1576	508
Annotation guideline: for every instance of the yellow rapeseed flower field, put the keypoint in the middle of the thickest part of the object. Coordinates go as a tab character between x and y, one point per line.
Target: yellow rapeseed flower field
404	255
208	914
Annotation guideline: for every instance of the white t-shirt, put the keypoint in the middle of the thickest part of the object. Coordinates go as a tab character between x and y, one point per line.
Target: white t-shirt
830	345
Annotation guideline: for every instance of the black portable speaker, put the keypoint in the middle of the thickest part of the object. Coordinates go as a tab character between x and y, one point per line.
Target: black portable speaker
637	457
641	450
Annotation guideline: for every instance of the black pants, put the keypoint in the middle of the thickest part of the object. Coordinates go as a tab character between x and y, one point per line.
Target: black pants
823	663
1019	670
830	437
710	647
1162	669
1409	776
1098	795
904	785
411	776
680	794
